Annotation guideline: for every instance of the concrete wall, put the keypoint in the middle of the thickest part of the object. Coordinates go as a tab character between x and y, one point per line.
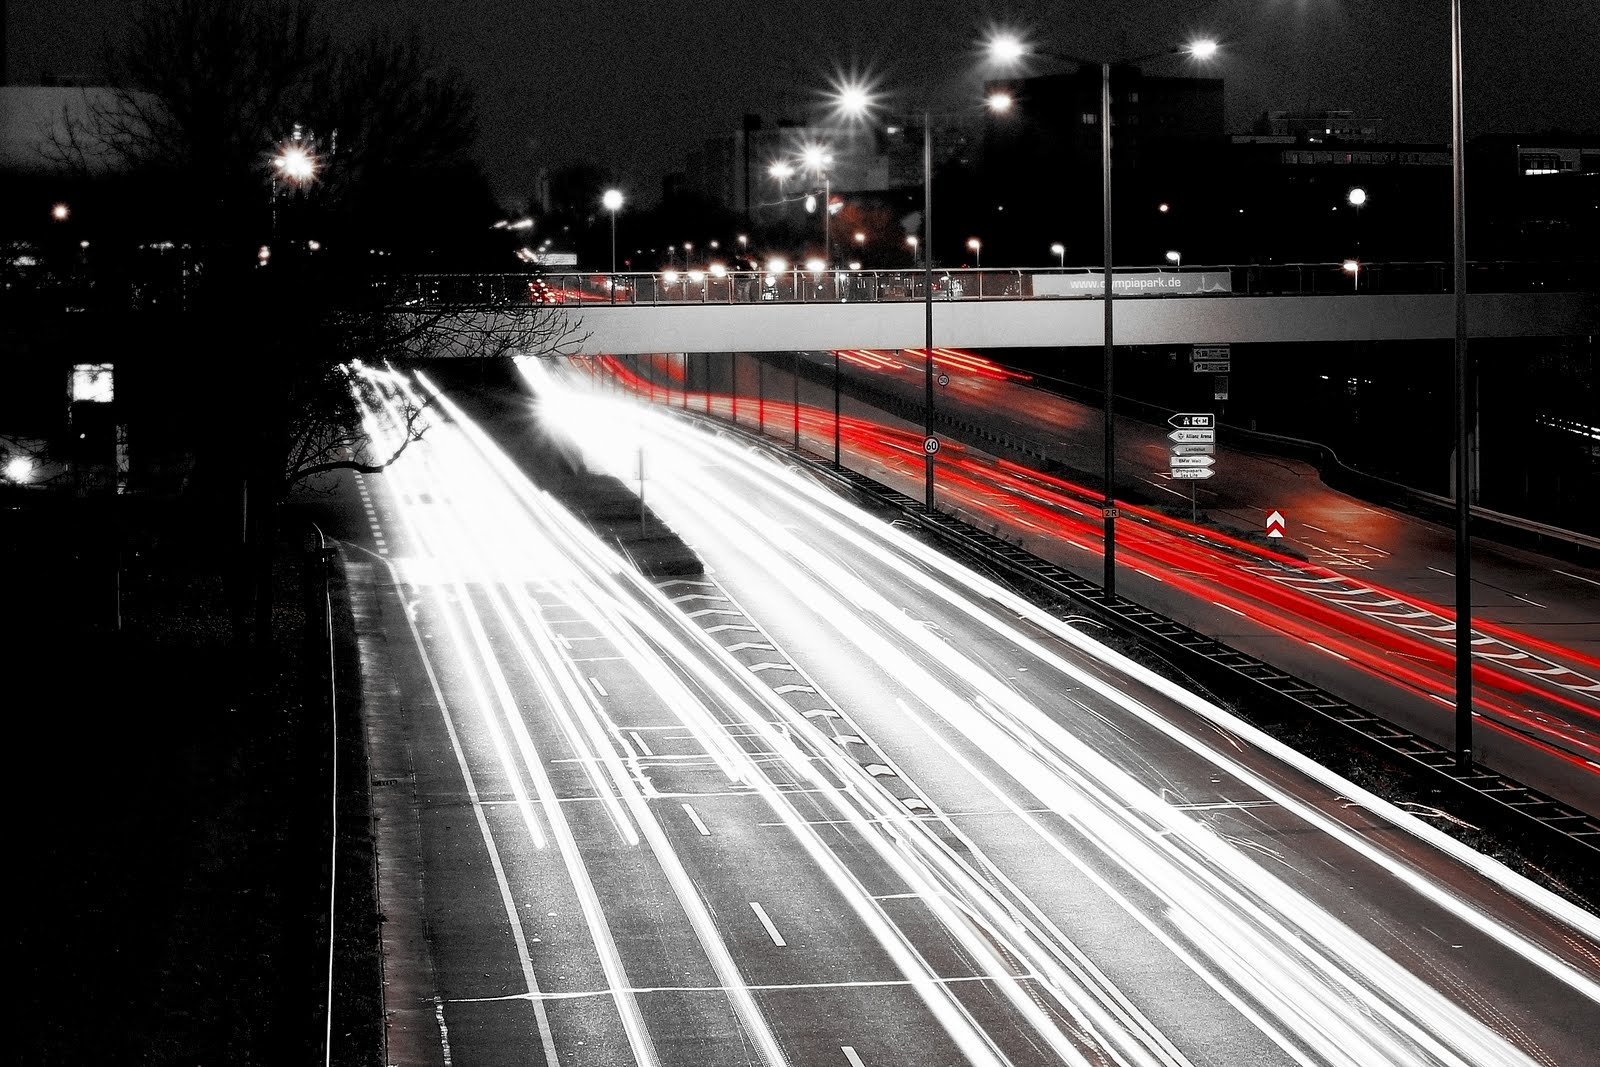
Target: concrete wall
1072	322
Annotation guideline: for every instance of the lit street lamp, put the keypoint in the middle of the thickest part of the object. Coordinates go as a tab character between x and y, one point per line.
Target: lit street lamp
1061	254
818	160
853	101
976	247
1175	258
1006	49
612	201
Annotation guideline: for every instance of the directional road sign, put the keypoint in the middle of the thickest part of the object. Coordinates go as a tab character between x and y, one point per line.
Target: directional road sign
1203	352
1211	366
1193	473
1194	450
1192	418
1192	461
1193	436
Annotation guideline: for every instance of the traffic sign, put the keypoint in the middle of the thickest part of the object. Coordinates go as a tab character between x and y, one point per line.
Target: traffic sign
1192	473
1201	352
944	379
1219	387
930	445
1192	418
1194	450
1275	524
1193	436
1212	366
1192	461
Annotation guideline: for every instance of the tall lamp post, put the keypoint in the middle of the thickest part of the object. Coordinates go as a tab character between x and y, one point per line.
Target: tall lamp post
1061	255
854	102
975	246
1007	49
612	201
1463	413
818	159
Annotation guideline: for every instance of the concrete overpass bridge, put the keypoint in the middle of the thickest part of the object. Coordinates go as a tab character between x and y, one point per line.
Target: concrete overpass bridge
811	310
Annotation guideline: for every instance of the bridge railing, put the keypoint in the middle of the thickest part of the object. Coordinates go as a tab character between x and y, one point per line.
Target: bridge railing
38	291
799	285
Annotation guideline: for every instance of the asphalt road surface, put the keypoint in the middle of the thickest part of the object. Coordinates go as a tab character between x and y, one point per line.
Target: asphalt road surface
841	801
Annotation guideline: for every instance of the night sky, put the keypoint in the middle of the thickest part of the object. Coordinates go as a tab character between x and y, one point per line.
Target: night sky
634	84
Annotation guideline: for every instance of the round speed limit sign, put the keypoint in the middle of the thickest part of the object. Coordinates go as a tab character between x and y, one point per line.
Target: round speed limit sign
944	379
930	445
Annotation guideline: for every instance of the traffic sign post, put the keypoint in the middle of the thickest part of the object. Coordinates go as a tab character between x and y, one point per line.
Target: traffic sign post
1193	437
930	445
1275	524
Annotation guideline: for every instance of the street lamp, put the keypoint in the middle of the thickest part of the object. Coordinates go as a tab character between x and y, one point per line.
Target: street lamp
611	201
818	159
1006	48
854	102
911	241
976	247
1061	254
60	212
1175	258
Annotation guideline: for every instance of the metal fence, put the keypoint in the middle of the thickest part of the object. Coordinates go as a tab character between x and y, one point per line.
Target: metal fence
39	291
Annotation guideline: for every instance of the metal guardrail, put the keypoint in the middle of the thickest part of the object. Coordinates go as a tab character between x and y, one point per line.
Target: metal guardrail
799	285
173	292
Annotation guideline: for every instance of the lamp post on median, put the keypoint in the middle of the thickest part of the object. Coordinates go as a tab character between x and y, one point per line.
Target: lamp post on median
1061	255
612	201
855	102
1005	48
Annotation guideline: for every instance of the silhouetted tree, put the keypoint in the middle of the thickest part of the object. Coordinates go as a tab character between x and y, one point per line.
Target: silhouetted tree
286	257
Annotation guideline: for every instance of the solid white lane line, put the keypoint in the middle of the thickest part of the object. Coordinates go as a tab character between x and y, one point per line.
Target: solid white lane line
1236	611
1525	600
1438	570
772	931
507	901
598	688
850	1055
695	818
1329	651
644	749
1580	577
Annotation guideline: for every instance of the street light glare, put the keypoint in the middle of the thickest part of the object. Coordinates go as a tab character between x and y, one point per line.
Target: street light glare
297	164
1358	196
612	200
852	99
1000	101
1006	48
780	170
816	157
1203	49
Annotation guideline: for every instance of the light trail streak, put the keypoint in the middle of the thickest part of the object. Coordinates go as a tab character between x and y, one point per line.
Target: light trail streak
1130	824
1395	994
565	540
1460	909
902	554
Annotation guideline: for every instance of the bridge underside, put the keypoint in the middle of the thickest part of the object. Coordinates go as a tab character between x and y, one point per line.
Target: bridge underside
1076	322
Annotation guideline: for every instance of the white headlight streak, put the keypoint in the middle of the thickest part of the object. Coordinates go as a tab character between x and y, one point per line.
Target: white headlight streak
1331	994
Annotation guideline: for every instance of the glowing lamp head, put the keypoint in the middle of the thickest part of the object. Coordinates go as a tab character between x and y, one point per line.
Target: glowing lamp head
1203	49
612	200
60	212
1000	101
777	265
19	469
816	266
1357	197
1006	48
296	164
1351	266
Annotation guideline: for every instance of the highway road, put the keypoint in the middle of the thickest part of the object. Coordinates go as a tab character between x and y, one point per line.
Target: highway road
840	800
1355	598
